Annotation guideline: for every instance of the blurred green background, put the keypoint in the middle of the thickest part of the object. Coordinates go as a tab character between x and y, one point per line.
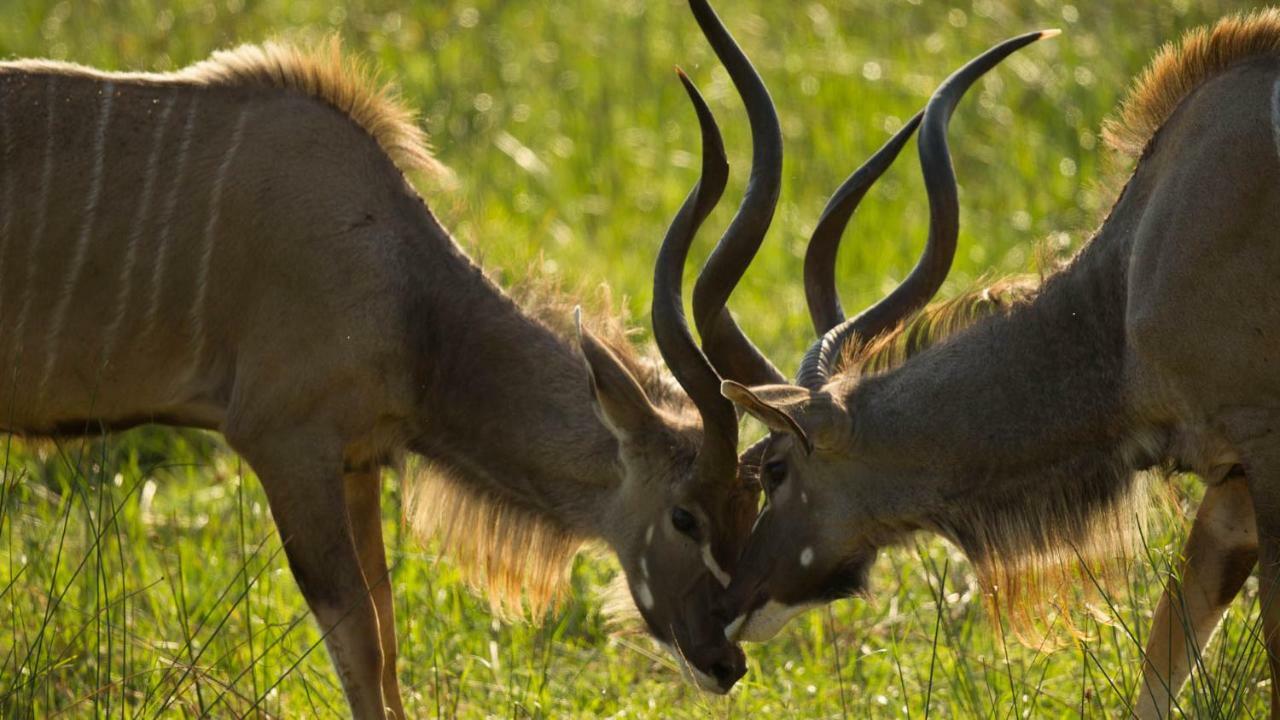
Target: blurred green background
140	574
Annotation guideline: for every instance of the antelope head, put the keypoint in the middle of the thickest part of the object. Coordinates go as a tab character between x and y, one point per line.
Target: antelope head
832	500
686	514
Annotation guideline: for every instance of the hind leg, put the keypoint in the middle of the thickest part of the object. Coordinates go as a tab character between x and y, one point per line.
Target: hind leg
1220	553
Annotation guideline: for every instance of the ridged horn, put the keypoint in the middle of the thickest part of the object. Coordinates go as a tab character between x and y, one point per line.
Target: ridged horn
820	257
726	345
944	222
718	454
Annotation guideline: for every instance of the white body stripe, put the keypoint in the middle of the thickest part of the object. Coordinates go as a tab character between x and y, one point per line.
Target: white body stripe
1275	115
81	248
37	233
137	229
198	309
164	229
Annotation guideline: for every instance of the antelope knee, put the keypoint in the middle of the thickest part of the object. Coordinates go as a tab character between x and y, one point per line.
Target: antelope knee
1237	564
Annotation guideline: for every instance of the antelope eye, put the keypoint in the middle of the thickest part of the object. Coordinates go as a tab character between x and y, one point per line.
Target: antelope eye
774	473
684	521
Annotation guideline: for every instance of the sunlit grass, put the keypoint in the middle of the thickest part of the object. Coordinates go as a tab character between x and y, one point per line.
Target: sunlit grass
141	576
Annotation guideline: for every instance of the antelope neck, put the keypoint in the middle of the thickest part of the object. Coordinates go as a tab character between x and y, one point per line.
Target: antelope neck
505	404
1018	403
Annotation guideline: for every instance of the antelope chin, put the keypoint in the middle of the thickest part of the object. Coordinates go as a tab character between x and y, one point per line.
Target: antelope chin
700	680
762	624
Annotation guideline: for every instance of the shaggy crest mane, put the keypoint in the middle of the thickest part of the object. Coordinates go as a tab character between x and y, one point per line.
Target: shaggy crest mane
1179	68
320	70
932	325
324	72
544	298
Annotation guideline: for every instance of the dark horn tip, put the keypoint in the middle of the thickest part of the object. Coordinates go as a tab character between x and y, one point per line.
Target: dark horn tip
715	163
932	267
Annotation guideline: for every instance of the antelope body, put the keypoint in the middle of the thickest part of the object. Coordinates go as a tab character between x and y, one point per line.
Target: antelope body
235	247
1019	438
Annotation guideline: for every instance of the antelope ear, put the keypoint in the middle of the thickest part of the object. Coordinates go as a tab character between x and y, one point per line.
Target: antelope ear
774	412
620	402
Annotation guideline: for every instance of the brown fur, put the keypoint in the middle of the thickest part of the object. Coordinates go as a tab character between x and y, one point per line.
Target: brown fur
518	557
320	70
545	298
1024	438
934	324
1179	68
1024	557
235	247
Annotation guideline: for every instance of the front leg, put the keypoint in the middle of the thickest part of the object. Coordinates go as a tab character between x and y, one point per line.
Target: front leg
364	508
301	472
1220	553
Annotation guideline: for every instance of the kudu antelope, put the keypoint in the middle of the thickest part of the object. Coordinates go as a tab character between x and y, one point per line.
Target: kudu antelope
1020	438
234	246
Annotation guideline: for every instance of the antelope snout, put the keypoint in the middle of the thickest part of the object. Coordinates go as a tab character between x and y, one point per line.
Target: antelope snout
725	665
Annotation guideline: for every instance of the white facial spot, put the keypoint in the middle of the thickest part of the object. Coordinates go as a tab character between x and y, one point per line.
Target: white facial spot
709	560
764	623
806	557
644	567
648	536
804	497
644	595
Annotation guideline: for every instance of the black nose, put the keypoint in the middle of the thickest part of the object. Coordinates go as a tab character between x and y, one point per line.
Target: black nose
729	671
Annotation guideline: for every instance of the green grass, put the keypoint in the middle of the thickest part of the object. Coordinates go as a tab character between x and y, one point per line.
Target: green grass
140	575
